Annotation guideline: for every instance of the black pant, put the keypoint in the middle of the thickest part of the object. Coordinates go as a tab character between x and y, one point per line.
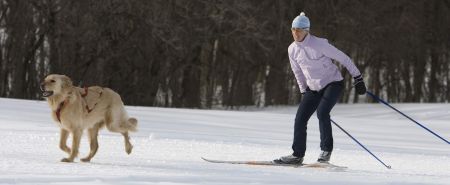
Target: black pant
322	101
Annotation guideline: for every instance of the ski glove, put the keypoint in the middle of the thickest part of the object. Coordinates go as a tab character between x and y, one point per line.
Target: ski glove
359	85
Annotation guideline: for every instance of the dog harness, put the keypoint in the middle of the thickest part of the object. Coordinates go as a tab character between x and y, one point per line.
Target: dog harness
58	110
83	95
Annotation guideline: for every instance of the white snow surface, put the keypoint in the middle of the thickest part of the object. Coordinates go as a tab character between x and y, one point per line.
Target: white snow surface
170	143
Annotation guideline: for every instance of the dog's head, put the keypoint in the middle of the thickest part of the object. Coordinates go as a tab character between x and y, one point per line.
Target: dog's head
55	84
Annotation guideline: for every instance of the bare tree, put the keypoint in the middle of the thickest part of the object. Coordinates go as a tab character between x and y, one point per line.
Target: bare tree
230	53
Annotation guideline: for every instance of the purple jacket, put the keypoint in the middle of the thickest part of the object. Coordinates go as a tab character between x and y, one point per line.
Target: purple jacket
312	65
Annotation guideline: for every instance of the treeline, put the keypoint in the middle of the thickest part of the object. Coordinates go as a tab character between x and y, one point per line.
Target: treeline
206	53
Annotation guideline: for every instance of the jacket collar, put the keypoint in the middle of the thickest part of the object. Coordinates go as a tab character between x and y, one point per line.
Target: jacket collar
304	42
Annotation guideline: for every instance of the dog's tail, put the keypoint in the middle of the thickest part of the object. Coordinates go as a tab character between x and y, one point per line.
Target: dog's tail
132	124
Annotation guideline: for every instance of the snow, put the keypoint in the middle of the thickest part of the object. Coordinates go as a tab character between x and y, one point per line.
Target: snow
170	142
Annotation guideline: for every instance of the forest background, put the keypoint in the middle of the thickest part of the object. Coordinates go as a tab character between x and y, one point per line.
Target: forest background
221	53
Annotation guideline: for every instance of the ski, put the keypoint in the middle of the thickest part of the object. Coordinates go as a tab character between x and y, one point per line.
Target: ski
271	163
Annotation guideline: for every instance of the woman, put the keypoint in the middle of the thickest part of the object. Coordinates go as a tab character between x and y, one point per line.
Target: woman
320	83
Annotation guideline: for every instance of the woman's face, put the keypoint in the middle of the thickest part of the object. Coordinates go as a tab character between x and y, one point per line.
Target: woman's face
298	34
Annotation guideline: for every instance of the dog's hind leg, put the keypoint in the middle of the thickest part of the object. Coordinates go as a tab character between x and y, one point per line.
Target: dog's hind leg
93	133
128	145
63	141
109	121
75	145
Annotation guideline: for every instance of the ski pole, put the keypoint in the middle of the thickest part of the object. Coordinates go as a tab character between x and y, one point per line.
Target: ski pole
387	104
387	166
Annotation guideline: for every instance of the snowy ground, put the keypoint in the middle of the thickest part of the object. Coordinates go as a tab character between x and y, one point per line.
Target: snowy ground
170	142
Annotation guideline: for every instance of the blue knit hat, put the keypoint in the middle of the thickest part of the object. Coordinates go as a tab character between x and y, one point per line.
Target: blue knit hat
301	22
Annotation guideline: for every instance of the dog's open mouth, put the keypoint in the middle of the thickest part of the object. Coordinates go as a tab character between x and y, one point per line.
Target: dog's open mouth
47	93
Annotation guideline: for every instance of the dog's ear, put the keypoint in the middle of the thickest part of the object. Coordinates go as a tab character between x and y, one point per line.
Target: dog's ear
66	82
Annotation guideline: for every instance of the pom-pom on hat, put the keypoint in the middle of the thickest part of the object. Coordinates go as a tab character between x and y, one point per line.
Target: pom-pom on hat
301	22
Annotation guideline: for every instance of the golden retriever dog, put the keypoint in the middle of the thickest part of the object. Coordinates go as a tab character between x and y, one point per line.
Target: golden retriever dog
76	109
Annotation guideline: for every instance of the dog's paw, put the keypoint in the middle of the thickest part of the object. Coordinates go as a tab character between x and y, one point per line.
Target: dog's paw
86	160
128	149
66	160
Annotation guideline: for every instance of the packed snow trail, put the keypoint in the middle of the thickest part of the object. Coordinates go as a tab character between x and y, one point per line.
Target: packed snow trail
170	142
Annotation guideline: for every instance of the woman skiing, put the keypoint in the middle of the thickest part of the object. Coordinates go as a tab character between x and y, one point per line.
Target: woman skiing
320	82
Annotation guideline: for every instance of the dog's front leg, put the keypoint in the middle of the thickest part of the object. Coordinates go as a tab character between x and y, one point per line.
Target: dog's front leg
93	133
63	141
75	145
128	145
